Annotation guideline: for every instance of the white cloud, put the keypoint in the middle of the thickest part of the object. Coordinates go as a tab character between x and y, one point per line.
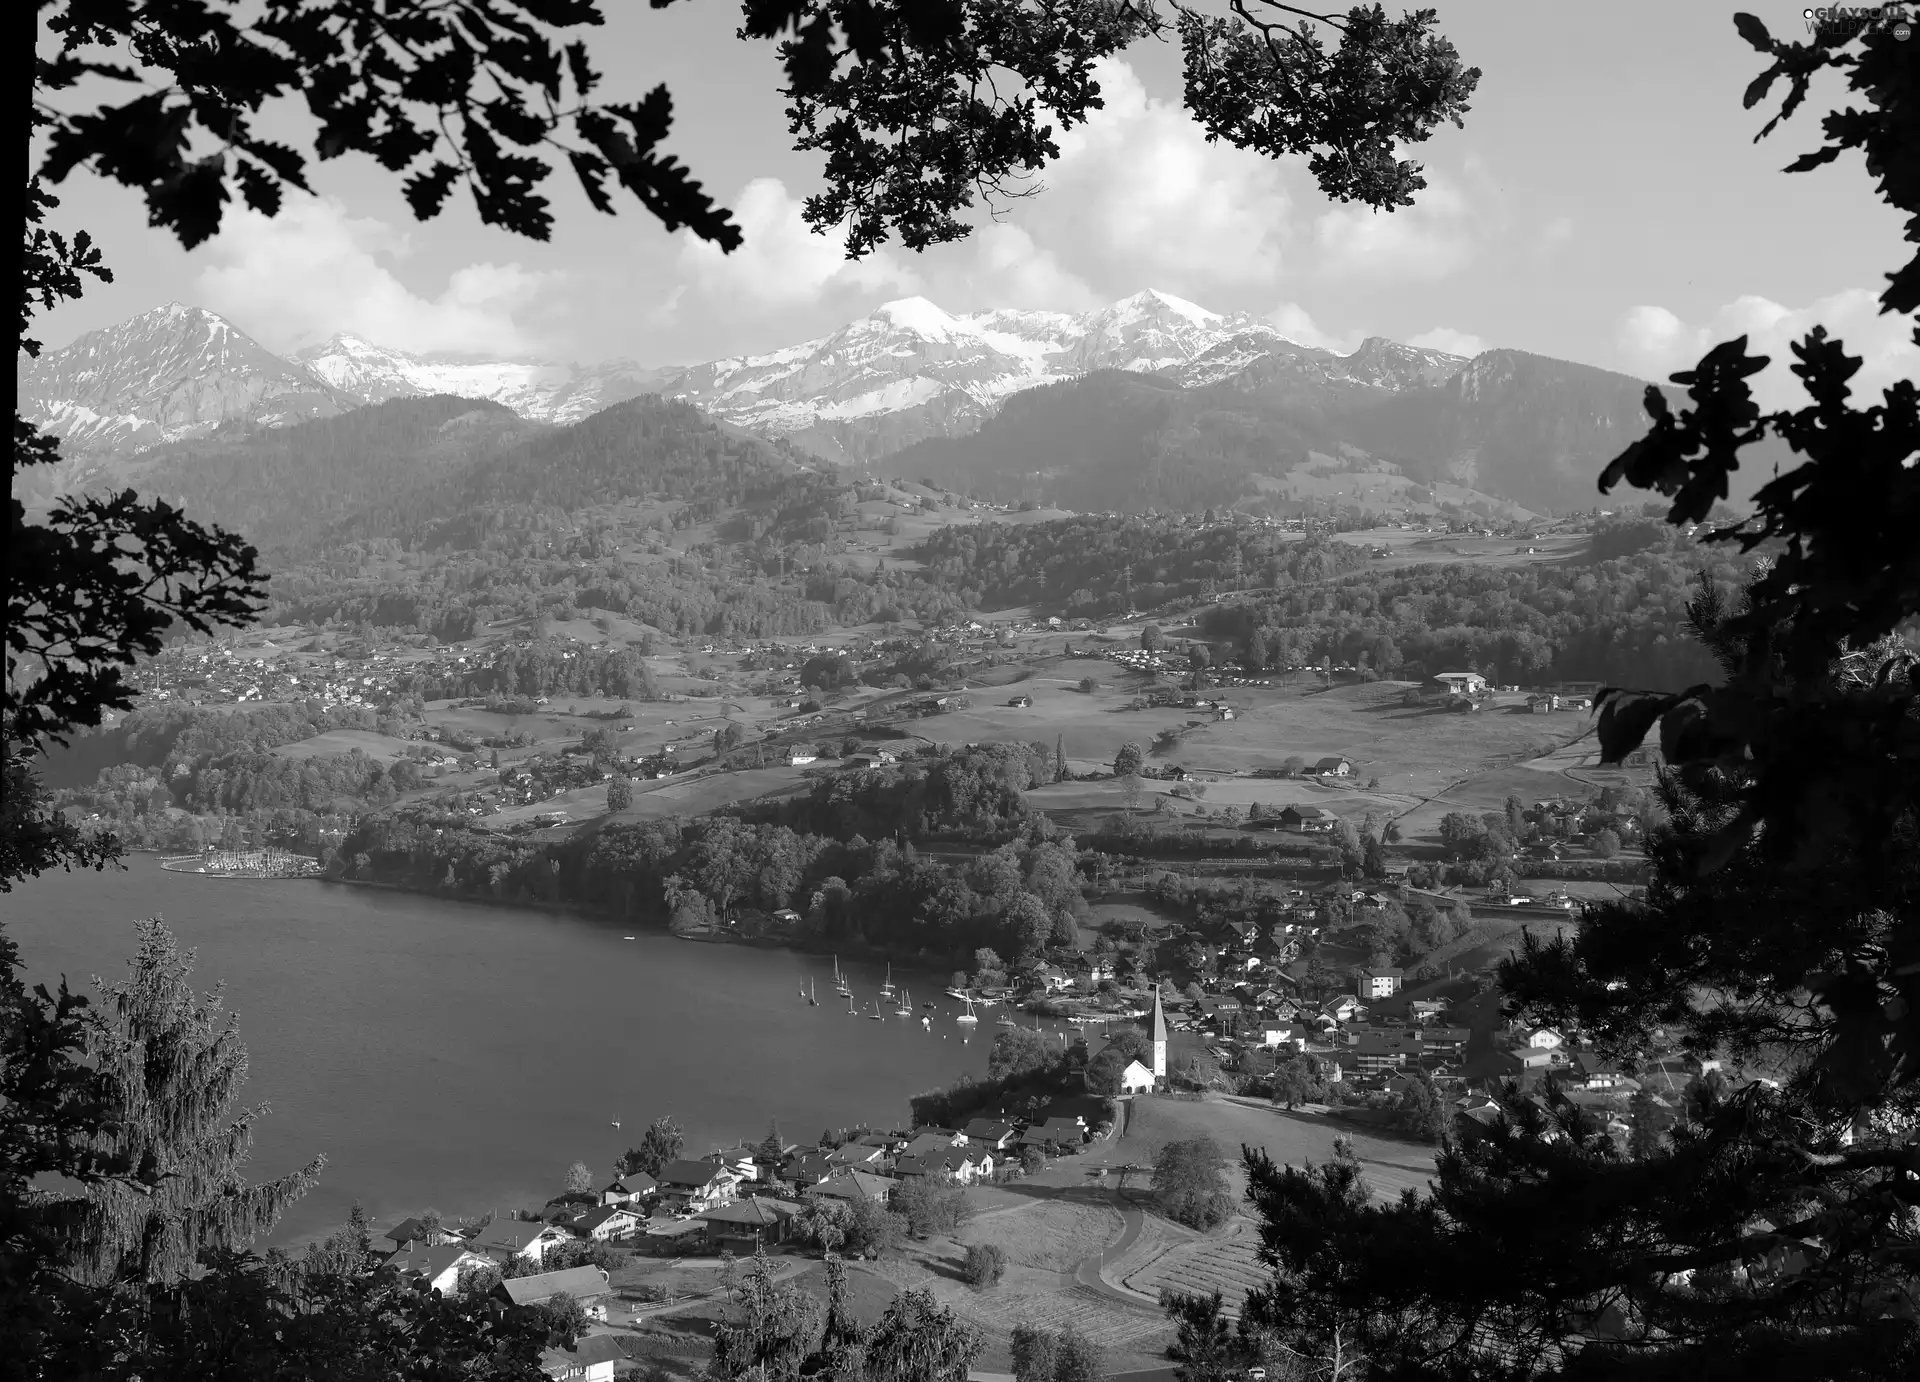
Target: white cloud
781	264
314	271
1453	342
1429	240
1007	269
1291	320
1554	234
1139	199
1652	341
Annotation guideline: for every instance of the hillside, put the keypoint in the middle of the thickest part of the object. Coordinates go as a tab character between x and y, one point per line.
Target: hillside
284	486
1135	442
1524	434
168	374
1530	428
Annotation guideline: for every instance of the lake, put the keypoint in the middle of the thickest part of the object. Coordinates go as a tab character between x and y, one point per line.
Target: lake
462	1056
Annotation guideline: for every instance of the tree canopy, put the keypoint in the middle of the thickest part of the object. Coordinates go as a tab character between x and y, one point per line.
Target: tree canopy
1772	1231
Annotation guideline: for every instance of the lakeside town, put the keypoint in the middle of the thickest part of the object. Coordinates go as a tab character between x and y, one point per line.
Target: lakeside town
651	1252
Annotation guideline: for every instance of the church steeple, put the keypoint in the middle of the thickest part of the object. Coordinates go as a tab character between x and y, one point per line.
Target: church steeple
1158	1033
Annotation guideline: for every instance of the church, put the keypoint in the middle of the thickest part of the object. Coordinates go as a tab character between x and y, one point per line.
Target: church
1137	1078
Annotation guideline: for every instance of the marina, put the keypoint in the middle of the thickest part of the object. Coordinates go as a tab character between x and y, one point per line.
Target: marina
327	981
245	863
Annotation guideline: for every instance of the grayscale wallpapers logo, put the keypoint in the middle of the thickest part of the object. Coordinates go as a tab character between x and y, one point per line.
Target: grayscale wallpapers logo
1900	20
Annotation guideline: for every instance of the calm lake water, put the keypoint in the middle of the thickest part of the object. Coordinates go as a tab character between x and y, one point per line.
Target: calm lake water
461	1057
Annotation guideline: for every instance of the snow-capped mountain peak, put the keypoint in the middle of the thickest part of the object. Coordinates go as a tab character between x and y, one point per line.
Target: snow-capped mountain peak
917	315
911	370
908	370
174	372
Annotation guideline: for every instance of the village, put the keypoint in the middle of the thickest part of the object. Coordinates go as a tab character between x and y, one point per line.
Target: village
647	1255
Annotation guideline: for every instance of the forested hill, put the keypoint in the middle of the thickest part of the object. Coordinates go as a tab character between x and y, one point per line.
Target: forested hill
1081	566
283	486
647	447
1618	615
444	471
1518	428
1117	440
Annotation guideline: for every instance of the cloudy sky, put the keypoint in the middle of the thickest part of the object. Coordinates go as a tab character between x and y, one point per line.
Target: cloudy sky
1605	203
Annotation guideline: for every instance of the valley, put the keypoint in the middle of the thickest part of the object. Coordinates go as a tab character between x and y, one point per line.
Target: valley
1095	662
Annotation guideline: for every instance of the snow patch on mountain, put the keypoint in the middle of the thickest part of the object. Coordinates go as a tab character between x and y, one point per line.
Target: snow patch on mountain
911	370
172	373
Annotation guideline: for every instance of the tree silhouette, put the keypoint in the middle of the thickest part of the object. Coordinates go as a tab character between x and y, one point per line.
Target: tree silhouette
173	1064
1772	1232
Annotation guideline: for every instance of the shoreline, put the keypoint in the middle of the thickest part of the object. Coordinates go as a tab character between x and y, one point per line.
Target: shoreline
853	950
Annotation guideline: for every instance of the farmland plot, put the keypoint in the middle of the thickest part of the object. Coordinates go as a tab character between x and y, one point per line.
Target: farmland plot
1228	1265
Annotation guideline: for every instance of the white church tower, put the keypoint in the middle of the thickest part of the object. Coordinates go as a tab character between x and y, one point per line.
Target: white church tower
1159	1034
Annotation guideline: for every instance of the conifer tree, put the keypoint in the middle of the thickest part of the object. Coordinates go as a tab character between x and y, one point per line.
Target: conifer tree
1777	1232
173	1064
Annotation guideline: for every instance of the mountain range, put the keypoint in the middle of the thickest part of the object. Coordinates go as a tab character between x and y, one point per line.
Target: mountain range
1227	396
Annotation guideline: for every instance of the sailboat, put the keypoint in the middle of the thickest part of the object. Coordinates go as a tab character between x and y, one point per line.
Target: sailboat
810	998
886	989
839	979
1005	1020
851	1010
876	1015
905	1008
967	1017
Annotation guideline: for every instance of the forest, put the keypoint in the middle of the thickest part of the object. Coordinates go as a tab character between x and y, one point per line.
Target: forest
1619	619
1080	566
1021	898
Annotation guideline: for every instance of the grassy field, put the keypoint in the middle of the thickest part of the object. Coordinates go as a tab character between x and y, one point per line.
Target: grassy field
1288	1138
1228	1264
379	747
1050	1234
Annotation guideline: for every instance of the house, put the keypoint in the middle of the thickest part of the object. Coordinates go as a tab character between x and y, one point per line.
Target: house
438	1266
1378	983
1333	767
934	1140
1136	1079
1524	1062
591	1359
1052	978
850	1184
1345	1008
630	1189
800	760
1057	1132
505	1239
1595	1073
605	1223
786	916
807	1168
989	1135
588	1285
1313	818
963	1164
1425	1009
691	1186
1290	1034
1375	1051
1545	1039
413	1230
746	1224
856	1154
1445	1041
1021	702
743	1160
